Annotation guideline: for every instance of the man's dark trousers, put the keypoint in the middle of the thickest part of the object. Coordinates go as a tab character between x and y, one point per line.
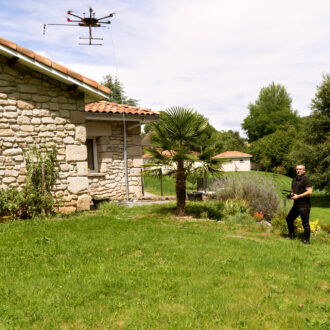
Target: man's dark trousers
303	210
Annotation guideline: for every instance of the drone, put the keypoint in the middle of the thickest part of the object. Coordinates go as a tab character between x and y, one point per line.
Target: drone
90	21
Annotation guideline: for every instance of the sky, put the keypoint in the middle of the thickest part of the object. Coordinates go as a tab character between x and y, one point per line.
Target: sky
210	55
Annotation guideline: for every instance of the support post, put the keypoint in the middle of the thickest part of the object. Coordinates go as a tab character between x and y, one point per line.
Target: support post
125	159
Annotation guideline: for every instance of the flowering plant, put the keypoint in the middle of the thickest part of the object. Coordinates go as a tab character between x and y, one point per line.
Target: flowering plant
258	215
313	224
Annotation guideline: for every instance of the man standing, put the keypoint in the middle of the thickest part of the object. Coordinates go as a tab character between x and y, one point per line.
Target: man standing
300	191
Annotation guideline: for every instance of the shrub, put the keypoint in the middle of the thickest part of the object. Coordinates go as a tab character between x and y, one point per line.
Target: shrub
35	197
211	210
280	224
234	206
259	192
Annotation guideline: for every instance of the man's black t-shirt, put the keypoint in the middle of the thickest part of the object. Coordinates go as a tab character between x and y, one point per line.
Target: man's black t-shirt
299	185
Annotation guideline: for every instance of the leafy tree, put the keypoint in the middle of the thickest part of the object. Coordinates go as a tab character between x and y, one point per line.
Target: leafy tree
272	150
312	148
118	94
174	139
231	140
272	111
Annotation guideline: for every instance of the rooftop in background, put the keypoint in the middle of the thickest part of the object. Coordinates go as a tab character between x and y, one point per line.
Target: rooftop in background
232	154
52	69
115	108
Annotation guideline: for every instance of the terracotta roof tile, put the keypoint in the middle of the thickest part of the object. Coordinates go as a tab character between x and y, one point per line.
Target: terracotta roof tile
25	51
43	60
59	67
75	75
54	65
232	154
115	108
8	43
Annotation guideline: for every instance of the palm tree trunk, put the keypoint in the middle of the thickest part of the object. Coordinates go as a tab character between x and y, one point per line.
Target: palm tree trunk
180	186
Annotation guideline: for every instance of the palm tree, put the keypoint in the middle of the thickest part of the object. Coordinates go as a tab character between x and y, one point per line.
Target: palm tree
174	138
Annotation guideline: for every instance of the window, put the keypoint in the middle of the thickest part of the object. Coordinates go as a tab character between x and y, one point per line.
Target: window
92	155
241	161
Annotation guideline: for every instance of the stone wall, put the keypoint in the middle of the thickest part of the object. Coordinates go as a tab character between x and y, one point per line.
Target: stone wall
109	181
38	110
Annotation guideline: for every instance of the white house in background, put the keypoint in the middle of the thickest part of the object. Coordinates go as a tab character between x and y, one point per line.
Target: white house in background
236	161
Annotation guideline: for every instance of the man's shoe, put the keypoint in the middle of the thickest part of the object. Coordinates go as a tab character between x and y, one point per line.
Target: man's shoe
306	241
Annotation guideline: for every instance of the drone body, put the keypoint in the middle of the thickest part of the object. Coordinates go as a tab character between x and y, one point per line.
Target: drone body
90	21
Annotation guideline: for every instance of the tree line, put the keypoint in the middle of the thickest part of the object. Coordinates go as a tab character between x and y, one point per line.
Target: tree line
280	139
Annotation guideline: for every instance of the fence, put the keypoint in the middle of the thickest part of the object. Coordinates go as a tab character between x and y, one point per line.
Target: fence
164	185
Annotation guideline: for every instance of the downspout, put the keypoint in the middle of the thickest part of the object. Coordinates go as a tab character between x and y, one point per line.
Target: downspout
125	158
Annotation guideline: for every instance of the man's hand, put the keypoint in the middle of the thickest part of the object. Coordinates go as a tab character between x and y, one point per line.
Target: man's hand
294	197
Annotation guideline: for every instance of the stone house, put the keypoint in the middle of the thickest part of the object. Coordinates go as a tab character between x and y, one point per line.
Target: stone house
43	103
235	161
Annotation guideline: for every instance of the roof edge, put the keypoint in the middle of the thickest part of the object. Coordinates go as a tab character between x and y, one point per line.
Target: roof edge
53	69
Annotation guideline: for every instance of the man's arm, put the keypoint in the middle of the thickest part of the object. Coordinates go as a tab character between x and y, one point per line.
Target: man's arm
308	192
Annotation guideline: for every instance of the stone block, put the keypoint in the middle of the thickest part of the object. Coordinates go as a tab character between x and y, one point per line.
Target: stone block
27	128
77	184
23	120
67	209
10	108
80	134
77	117
40	98
82	168
47	120
137	162
60	121
9	180
83	203
10	115
35	121
24	105
68	140
76	153
12	152
134	151
6	132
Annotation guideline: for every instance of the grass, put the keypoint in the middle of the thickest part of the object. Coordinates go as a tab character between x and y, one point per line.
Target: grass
143	268
320	202
152	185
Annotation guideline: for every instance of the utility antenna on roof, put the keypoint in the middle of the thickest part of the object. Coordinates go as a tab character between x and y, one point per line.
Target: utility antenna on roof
90	21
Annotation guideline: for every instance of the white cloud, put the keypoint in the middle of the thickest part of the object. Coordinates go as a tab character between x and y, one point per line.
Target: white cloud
212	55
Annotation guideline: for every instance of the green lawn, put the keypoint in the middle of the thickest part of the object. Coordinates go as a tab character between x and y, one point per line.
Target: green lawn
320	203
142	268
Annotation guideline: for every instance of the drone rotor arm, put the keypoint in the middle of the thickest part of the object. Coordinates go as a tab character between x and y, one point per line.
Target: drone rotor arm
72	20
70	13
111	15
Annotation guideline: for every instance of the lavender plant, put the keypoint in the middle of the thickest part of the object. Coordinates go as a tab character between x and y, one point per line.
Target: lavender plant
257	191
